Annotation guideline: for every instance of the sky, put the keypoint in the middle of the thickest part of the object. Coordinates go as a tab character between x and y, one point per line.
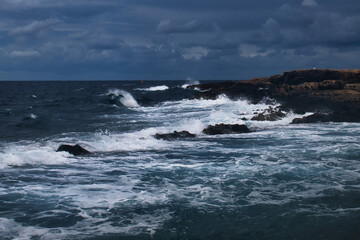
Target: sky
175	39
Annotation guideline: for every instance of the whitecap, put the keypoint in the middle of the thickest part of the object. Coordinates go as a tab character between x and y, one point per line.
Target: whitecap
153	89
13	230
124	97
189	83
32	154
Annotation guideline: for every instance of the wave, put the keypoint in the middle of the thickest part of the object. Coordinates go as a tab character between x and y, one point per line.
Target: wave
189	83
30	116
31	154
123	97
190	115
220	110
156	88
91	225
10	229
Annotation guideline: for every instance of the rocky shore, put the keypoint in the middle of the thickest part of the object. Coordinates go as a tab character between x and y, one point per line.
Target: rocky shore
333	94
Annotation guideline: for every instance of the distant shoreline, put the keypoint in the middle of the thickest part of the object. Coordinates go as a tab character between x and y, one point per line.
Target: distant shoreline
333	92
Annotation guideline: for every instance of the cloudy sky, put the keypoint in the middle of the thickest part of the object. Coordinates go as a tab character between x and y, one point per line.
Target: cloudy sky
174	39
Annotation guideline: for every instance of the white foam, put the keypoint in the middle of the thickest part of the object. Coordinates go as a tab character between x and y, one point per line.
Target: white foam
133	141
285	121
194	126
156	88
189	115
189	83
100	197
33	154
124	97
220	110
16	231
91	227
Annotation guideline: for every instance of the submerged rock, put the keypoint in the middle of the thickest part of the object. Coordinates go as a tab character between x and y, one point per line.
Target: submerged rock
174	135
75	150
226	129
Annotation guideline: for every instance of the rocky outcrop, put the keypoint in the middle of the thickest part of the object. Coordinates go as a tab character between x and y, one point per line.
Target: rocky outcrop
325	90
174	135
313	118
269	115
226	129
75	150
331	85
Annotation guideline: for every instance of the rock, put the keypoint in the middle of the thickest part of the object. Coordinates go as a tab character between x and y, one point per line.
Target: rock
269	115
331	85
313	118
299	91
174	135
244	119
226	129
75	150
259	117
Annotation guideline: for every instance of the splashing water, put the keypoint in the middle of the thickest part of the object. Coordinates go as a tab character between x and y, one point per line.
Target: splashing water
268	184
124	97
153	89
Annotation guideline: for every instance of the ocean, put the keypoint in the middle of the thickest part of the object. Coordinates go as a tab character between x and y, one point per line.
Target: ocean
281	181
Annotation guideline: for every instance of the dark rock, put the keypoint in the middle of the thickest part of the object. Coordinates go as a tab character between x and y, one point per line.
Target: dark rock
331	85
269	115
174	135
313	118
300	91
244	119
259	117
226	129
75	150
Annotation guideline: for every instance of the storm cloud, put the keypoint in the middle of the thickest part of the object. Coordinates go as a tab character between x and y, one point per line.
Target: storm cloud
161	39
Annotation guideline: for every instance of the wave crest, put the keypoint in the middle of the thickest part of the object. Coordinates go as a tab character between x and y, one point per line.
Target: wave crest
123	97
189	83
17	155
156	88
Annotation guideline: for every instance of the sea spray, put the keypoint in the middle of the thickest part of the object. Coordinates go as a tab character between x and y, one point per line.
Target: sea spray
189	83
134	186
31	154
153	89
124	98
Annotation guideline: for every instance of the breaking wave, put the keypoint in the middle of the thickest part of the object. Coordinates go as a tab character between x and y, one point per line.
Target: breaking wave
31	154
189	83
133	186
123	97
153	89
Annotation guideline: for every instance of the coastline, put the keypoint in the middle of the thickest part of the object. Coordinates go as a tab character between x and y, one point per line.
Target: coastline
335	93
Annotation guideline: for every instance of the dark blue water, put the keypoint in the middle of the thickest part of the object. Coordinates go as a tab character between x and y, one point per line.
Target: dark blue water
280	182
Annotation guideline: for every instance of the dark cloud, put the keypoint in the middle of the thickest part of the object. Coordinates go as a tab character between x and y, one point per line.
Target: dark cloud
35	28
166	26
162	39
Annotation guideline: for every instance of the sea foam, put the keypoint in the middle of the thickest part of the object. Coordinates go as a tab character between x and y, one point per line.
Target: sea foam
32	154
189	83
153	89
